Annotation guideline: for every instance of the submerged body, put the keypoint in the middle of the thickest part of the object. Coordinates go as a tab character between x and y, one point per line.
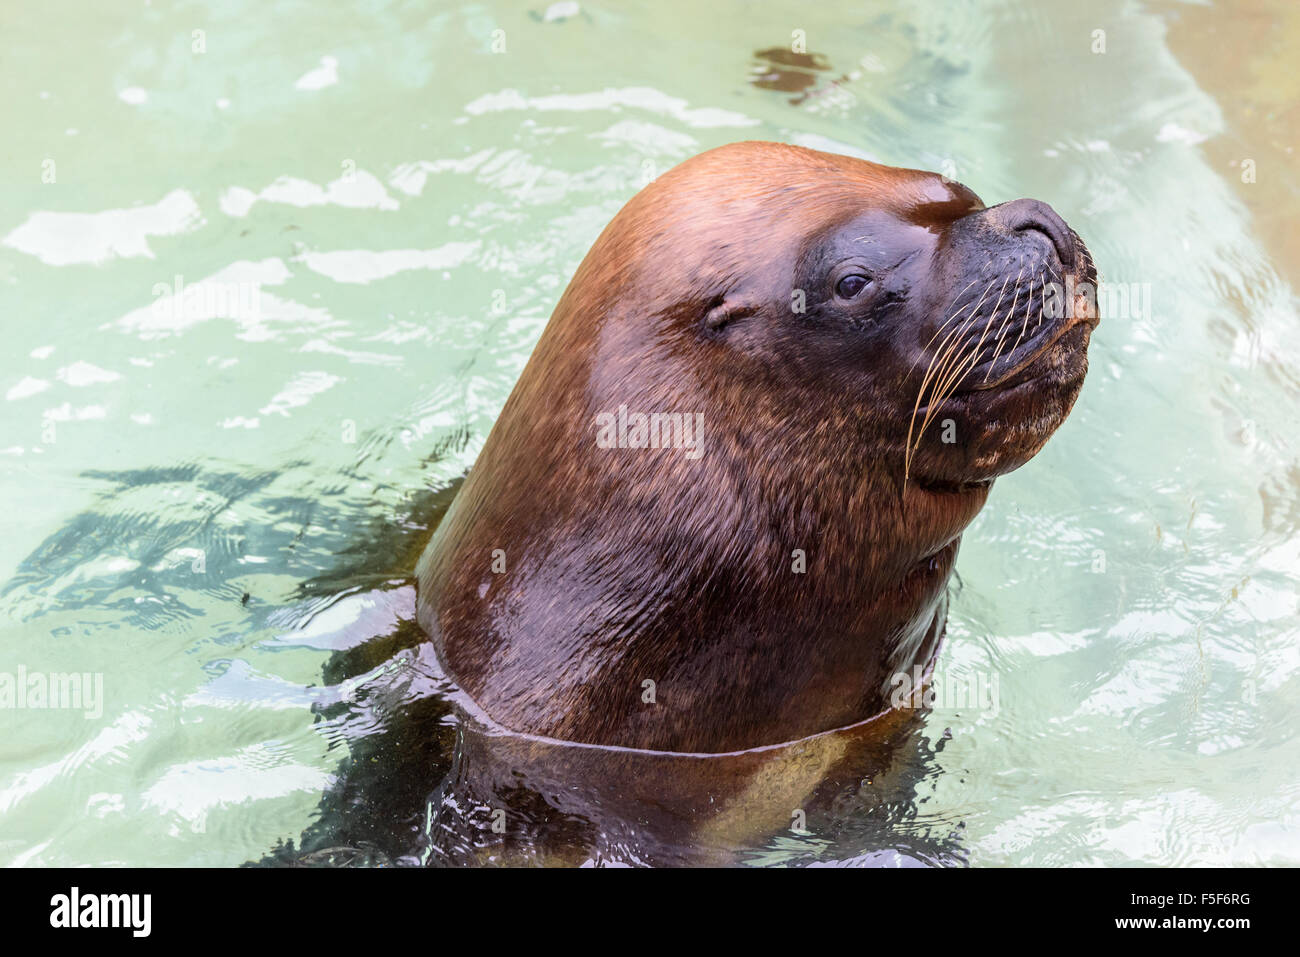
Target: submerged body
857	352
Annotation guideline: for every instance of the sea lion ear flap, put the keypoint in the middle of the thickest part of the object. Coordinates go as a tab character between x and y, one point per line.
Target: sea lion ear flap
724	310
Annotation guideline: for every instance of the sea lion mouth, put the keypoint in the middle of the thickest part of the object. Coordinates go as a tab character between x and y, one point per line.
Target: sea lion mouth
1015	373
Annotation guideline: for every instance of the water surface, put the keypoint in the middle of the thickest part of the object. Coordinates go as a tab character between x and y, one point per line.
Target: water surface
211	494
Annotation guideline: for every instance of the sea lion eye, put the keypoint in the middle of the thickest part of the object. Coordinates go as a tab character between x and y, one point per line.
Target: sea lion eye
851	285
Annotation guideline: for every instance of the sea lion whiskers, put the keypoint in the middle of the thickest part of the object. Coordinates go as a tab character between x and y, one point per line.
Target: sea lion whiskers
1042	301
1029	302
949	354
963	359
961	363
947	371
935	358
1010	312
951	375
907	456
951	317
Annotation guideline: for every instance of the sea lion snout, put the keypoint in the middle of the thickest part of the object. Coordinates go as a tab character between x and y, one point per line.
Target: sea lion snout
1019	277
1034	216
1006	358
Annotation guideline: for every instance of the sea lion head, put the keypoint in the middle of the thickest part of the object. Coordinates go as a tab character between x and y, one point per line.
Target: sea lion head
861	349
949	336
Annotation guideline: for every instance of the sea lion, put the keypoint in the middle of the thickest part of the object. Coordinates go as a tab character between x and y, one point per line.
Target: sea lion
720	508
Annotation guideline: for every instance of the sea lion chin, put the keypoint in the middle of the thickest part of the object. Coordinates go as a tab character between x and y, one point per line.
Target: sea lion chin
720	508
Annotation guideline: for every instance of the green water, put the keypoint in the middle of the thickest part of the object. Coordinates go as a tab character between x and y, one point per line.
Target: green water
202	494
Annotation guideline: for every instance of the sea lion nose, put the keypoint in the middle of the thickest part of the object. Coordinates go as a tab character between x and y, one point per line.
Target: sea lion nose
1031	215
